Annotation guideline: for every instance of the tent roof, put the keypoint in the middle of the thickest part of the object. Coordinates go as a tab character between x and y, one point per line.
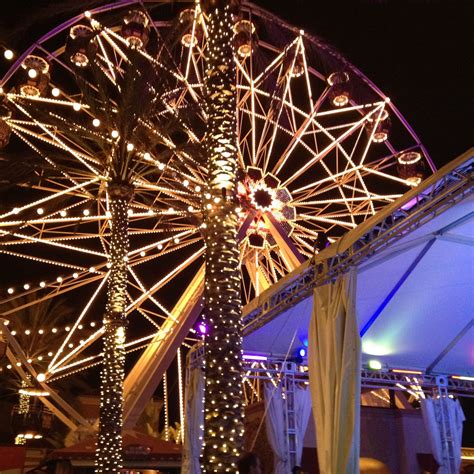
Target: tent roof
414	294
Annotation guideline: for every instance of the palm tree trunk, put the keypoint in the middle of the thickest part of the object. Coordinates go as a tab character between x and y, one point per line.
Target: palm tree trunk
223	433
109	458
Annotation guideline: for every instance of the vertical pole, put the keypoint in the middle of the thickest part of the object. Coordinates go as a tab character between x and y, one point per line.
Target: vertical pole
223	433
109	456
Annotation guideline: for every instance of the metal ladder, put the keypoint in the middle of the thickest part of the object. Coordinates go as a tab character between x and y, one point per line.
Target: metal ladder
290	417
440	393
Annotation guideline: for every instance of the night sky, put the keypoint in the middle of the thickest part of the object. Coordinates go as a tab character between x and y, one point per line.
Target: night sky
416	52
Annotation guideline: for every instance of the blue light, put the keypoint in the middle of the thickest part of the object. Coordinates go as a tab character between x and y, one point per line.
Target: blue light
305	342
302	352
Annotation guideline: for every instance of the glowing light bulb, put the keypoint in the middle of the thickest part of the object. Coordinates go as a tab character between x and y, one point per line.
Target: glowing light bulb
32	73
86	212
8	54
76	106
96	122
130	146
75	275
115	134
42	284
40	211
59	279
55	92
374	364
26	286
87	14
147	156
41	377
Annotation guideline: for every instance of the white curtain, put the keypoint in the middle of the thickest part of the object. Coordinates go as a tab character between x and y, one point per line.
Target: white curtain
275	425
454	419
302	413
194	422
334	375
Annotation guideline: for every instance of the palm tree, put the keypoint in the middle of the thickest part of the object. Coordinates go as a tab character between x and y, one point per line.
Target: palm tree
138	130
223	432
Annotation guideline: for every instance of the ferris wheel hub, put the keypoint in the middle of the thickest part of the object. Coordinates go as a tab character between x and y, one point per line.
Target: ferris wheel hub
262	195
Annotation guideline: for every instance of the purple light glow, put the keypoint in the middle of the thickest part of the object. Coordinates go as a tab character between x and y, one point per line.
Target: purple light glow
202	328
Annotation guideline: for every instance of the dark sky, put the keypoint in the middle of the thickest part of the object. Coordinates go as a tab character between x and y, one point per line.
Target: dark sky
419	53
416	52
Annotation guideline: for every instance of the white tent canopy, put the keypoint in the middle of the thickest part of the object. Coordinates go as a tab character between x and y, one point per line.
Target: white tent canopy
414	299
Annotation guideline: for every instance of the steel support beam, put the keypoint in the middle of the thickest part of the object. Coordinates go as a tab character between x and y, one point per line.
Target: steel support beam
450	346
145	376
397	286
291	256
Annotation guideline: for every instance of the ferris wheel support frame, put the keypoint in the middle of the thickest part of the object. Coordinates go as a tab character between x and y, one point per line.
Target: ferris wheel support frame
147	372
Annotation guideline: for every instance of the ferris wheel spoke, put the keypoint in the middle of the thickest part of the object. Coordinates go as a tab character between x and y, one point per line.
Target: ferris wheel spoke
298	134
151	298
159	284
329	148
53	364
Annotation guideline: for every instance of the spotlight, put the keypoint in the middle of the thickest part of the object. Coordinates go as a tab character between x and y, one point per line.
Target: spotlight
374	364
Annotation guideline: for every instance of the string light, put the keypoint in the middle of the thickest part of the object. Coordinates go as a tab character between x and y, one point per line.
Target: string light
223	430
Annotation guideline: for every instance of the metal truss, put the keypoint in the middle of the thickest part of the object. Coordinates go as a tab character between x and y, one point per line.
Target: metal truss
258	369
438	194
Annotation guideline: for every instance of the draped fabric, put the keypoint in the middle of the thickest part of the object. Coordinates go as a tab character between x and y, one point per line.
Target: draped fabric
194	422
302	413
275	425
454	419
334	374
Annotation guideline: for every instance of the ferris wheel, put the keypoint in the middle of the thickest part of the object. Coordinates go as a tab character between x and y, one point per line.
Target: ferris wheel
320	150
